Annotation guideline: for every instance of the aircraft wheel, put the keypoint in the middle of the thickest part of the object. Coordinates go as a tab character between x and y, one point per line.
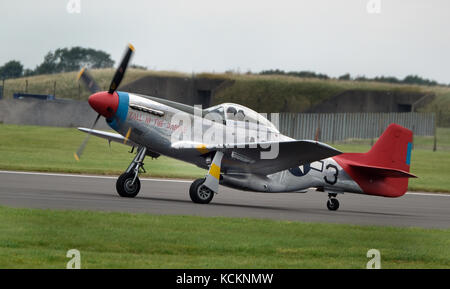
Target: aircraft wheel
199	193
332	204
124	187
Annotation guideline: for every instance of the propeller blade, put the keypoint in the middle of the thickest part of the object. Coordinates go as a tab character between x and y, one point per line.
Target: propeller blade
88	80
127	136
80	150
120	72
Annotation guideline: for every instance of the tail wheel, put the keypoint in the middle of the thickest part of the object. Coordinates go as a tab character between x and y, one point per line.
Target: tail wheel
332	204
199	193
125	186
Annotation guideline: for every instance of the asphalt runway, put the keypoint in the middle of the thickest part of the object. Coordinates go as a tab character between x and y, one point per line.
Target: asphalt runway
170	197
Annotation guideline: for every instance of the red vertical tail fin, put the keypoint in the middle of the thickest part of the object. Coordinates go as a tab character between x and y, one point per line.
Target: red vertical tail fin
384	170
393	148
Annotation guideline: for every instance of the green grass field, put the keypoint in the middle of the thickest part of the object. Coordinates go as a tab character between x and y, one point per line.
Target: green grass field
51	149
32	238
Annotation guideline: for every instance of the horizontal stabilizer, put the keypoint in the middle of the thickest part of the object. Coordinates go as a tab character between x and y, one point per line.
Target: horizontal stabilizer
382	171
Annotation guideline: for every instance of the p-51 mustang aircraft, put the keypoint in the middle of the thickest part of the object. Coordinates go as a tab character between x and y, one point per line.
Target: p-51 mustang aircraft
240	148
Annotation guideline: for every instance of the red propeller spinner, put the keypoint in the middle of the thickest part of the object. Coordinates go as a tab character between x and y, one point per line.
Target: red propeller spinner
104	103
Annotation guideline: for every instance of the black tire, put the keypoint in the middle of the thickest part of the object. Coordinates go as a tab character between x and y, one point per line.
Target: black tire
332	204
199	193
124	189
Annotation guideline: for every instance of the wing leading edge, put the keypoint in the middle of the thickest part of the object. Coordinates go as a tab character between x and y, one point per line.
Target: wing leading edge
115	137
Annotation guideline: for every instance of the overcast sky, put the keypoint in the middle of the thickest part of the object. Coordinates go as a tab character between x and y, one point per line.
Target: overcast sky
327	36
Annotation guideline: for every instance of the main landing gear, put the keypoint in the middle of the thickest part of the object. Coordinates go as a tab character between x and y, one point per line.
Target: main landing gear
128	184
332	203
199	193
202	190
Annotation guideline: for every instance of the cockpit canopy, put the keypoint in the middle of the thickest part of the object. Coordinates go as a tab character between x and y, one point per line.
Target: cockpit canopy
237	112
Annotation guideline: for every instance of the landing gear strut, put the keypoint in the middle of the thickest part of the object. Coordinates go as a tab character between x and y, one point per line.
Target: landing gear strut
332	203
128	184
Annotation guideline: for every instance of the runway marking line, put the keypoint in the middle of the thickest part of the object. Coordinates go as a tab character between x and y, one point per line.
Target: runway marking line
89	176
157	180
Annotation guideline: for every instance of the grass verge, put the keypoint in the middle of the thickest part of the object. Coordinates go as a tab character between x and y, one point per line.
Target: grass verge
33	238
50	149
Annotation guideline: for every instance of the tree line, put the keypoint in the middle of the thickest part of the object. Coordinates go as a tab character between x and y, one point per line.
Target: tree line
73	59
60	60
409	79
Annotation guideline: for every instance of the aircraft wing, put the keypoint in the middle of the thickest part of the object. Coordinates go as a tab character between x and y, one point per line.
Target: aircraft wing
115	137
262	158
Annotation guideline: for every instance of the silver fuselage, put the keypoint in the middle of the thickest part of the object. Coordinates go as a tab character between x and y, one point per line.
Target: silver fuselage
156	132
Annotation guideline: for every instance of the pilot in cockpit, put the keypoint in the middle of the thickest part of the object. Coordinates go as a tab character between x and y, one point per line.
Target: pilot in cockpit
231	112
234	114
240	116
